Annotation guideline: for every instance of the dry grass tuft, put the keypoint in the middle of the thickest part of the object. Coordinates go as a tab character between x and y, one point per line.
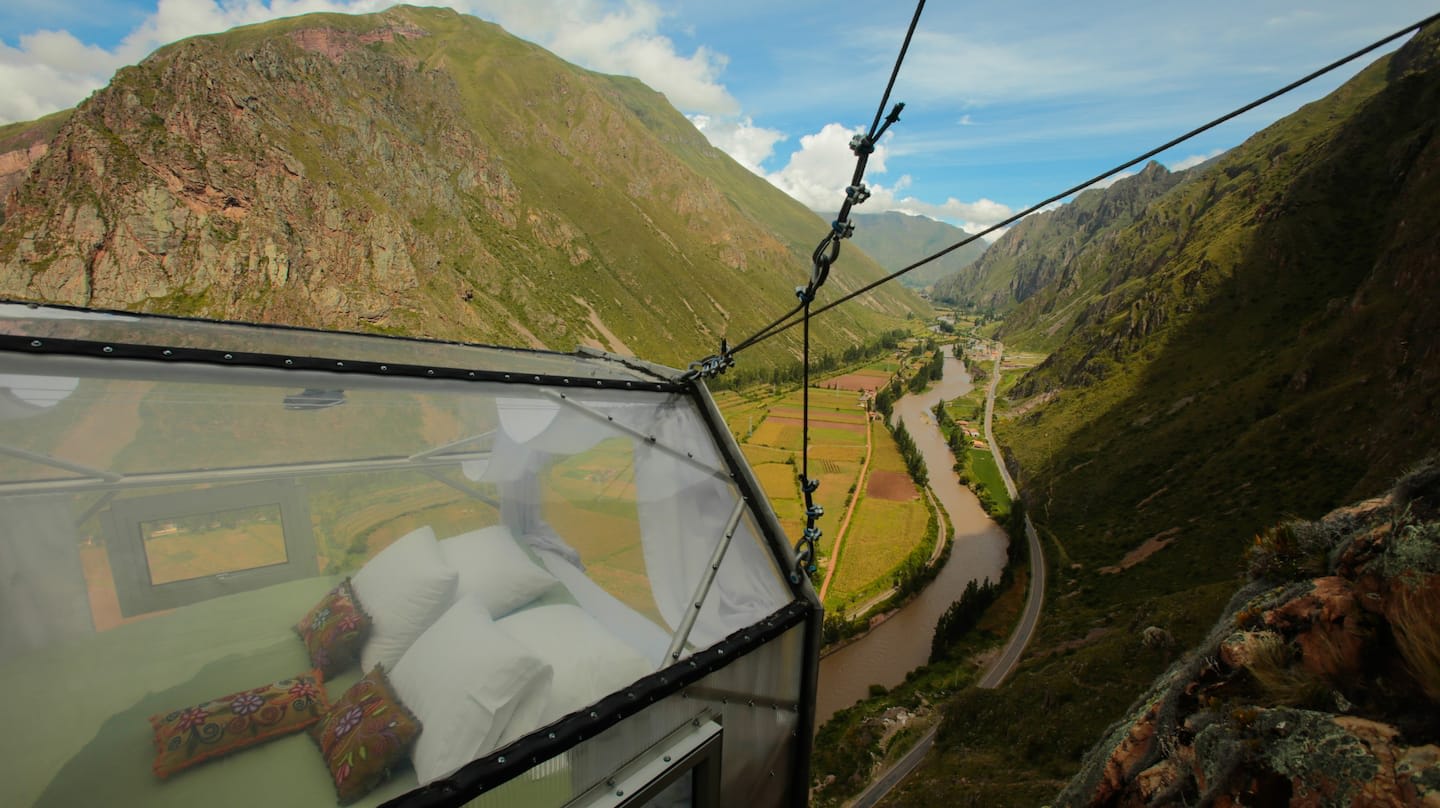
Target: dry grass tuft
1418	637
1273	665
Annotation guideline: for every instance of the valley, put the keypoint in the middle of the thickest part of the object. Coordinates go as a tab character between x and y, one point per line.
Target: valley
1175	365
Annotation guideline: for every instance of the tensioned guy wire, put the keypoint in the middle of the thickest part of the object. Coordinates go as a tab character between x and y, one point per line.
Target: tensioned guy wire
824	256
855	190
780	326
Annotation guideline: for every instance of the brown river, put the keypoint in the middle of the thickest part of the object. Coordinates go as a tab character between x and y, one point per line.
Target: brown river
902	643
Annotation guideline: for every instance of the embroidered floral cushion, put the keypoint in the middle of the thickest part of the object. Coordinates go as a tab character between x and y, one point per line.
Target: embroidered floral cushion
365	734
196	734
335	630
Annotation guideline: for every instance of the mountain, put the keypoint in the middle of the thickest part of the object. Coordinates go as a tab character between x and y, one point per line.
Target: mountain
1259	344
1042	254
897	240
416	172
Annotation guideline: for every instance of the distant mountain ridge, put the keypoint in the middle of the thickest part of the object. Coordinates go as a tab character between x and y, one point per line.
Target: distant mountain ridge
417	172
898	240
1045	253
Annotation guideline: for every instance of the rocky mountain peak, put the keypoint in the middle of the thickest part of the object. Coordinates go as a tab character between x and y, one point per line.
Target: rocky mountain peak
416	171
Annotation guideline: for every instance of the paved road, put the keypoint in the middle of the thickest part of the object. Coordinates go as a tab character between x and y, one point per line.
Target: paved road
892	778
1025	629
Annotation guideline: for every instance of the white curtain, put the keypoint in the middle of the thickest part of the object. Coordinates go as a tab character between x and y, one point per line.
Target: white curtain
683	491
43	598
683	514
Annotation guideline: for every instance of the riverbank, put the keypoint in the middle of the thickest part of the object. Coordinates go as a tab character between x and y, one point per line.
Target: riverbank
892	732
899	643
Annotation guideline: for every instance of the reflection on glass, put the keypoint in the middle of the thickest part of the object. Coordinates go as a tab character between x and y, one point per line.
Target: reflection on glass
676	795
591	504
208	544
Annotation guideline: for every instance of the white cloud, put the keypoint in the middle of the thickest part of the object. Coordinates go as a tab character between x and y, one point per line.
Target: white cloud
1110	180
52	70
817	173
819	170
1194	160
740	138
627	41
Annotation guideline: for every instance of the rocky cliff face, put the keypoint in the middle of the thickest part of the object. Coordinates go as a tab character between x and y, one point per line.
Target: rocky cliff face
1319	686
1047	253
416	172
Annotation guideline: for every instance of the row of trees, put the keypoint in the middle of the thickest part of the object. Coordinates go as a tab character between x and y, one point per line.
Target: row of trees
910	453
933	370
961	617
738	378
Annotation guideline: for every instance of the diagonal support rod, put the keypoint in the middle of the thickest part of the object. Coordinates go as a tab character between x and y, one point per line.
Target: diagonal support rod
455	444
682	633
55	462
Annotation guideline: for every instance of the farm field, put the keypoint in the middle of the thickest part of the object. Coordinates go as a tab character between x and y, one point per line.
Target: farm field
890	517
889	523
837	451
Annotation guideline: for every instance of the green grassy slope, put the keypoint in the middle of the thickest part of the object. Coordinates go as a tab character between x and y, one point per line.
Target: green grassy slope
22	135
1264	346
897	240
421	172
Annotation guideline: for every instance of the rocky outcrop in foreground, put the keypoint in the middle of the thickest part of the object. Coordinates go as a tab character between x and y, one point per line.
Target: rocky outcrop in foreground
1318	687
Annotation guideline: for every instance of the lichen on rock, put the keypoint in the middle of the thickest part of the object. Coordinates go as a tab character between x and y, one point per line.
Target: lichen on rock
1319	691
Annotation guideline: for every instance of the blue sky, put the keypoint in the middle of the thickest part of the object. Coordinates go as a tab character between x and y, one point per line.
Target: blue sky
1006	102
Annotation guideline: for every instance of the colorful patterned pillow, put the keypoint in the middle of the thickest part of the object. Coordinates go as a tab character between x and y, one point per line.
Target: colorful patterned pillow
196	734
365	734
335	630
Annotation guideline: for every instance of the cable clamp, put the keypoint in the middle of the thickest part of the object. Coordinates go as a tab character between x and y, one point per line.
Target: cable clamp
809	486
814	512
857	193
893	117
862	144
806	294
805	554
711	365
842	229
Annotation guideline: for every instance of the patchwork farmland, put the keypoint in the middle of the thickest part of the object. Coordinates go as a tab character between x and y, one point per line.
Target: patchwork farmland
889	516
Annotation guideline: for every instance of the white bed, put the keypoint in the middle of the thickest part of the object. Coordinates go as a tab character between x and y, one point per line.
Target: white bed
563	643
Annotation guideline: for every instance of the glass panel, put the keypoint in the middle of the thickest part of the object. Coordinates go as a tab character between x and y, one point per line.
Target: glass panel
676	795
187	547
592	501
167	526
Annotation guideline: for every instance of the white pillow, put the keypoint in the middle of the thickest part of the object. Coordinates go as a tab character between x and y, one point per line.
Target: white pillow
464	678
634	628
404	589
492	565
590	663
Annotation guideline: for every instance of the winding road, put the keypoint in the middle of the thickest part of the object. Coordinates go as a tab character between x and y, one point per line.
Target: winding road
1025	629
1019	638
